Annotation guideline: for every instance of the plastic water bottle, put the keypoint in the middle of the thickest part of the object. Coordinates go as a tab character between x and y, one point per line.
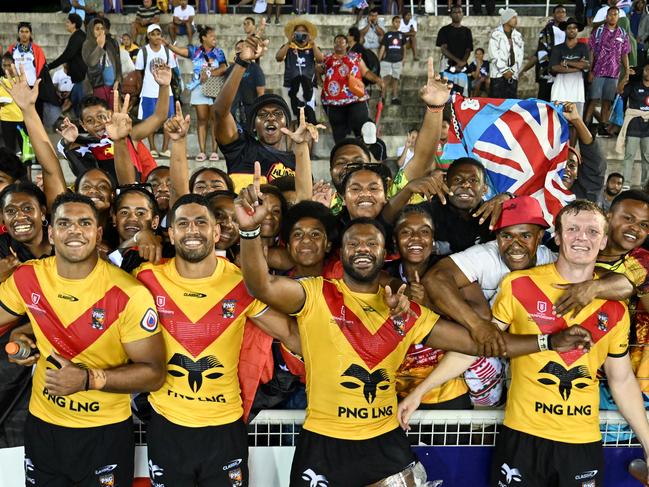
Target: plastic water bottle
638	468
18	350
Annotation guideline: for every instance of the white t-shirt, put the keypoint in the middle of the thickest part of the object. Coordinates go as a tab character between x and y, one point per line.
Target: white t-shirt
27	61
62	81
600	16
372	40
184	14
483	264
405	28
149	87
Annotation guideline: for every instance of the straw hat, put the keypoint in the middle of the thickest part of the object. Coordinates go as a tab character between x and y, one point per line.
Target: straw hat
292	24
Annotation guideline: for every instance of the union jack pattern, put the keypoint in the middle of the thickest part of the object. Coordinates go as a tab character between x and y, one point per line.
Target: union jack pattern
523	145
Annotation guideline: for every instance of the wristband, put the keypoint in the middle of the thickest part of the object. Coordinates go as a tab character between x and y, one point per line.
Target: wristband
542	340
434	108
87	380
241	62
249	235
511	195
550	342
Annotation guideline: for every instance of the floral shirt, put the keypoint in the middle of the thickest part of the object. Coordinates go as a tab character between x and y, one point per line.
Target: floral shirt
608	47
335	90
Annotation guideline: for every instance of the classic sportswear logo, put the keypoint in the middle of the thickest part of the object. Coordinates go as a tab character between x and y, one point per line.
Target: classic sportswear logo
589	474
511	474
232	464
195	295
69	297
566	377
314	479
370	381
105	469
195	369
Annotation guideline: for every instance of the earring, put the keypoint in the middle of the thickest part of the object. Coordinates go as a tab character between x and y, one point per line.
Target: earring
45	222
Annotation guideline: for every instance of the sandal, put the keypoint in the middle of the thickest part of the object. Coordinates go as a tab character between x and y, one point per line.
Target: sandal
201	157
154	153
214	156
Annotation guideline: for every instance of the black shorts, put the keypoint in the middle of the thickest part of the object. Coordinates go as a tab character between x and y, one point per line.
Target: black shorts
57	456
529	461
349	463
212	456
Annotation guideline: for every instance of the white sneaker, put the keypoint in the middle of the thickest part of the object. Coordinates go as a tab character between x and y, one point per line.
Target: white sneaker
368	131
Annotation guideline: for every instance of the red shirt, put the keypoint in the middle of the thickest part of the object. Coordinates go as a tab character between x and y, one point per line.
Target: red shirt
336	85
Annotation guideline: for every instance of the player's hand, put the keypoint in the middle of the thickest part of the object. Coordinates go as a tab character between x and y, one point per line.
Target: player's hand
575	298
70	378
406	407
572	338
149	246
32	359
162	74
437	90
305	132
24	95
68	131
399	303
430	186
8	266
491	210
249	206
177	127
489	339
120	124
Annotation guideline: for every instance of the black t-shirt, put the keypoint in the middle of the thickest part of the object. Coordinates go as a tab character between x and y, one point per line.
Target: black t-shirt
452	227
393	42
240	157
562	52
252	78
458	41
638	96
299	62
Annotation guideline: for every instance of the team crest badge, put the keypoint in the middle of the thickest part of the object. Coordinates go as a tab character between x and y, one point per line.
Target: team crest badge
149	320
98	318
35	298
228	308
236	477
399	325
107	480
541	306
602	321
160	301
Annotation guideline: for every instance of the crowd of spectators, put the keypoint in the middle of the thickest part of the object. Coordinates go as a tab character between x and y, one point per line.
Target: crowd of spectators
403	283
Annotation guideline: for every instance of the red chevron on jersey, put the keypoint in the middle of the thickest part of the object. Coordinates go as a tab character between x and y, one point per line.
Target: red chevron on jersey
371	348
539	308
196	336
69	341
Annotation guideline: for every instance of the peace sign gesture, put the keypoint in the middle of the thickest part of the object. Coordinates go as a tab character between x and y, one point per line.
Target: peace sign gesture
120	124
437	90
305	132
24	95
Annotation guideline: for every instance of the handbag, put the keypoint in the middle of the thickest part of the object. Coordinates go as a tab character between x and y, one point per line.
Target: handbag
212	86
356	86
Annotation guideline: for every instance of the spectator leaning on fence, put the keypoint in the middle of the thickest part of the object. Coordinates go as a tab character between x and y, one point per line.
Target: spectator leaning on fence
506	55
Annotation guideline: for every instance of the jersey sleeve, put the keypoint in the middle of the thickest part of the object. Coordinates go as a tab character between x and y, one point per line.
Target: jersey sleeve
424	325
10	299
256	308
312	289
503	307
637	270
139	60
475	261
139	319
619	340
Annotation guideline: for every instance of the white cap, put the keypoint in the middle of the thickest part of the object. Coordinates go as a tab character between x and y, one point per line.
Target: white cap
153	27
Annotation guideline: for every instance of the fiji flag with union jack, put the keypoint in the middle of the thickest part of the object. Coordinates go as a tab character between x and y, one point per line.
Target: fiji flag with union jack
523	144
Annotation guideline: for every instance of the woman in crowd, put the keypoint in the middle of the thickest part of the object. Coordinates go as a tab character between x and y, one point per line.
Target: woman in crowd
208	61
101	54
343	92
10	115
479	73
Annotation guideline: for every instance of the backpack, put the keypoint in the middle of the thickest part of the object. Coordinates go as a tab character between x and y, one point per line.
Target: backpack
176	86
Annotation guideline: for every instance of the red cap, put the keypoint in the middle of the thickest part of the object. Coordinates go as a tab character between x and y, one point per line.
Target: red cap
12	348
520	211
